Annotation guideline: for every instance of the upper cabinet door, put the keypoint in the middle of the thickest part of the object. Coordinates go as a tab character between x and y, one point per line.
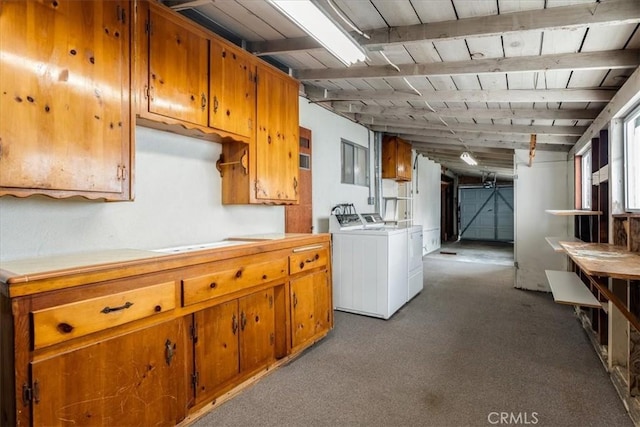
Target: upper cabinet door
233	90
64	98
277	137
178	70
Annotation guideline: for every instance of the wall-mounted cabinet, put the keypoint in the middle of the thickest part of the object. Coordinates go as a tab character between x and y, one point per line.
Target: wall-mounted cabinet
233	90
177	84
272	173
65	126
396	159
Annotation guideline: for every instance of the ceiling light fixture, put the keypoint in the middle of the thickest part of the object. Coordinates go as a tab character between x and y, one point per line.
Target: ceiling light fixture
466	157
310	18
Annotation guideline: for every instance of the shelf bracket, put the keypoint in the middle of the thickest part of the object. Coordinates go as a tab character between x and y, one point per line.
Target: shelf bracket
220	163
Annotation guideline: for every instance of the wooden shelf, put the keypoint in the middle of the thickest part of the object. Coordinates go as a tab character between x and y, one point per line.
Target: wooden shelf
567	288
572	212
555	242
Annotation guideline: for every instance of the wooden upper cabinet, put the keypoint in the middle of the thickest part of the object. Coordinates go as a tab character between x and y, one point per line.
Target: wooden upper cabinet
276	156
396	159
233	90
178	78
65	125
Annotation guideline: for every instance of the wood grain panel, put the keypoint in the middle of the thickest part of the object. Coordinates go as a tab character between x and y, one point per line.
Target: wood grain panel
257	330
217	348
130	380
222	282
233	90
64	94
308	260
178	70
65	322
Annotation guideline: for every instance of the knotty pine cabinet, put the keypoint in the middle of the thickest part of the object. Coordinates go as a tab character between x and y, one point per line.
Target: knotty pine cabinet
272	174
310	287
234	338
396	159
190	81
233	90
141	338
65	127
178	77
134	379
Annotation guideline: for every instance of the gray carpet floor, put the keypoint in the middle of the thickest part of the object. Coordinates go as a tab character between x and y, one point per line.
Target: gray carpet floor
468	348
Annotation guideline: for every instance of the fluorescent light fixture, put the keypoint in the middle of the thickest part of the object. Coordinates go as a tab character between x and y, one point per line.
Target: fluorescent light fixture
466	157
306	15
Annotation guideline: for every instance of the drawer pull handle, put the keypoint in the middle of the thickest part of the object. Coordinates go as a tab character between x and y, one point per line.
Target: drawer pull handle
108	310
234	324
307	248
243	321
169	351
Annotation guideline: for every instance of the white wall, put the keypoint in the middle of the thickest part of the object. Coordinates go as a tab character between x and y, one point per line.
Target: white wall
178	201
327	129
178	198
537	188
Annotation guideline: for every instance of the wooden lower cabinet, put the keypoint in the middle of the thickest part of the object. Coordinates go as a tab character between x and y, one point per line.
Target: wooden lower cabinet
311	309
136	379
139	342
234	338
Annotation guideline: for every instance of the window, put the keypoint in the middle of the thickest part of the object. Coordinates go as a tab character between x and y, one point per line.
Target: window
632	160
586	179
355	164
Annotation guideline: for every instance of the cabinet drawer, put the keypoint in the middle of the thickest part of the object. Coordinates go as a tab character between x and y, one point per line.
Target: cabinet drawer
304	259
64	322
227	280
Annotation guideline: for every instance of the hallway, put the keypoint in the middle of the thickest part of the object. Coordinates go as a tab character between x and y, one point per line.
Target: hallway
465	350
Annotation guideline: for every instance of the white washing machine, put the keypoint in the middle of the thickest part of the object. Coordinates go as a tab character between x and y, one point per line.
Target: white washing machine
370	273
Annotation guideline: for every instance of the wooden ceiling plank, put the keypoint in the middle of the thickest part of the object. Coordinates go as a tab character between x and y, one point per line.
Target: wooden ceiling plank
604	60
613	12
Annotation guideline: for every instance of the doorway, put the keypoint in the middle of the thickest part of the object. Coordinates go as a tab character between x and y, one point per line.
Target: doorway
298	218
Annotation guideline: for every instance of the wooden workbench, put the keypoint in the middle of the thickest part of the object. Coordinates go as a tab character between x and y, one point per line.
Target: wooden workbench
604	260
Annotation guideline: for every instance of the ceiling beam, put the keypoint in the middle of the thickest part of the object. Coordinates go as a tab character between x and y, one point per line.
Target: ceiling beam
408	135
480	136
479	127
498	152
485	113
611	12
614	59
499	95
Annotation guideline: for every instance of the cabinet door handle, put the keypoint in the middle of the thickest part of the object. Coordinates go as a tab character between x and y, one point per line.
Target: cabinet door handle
234	324
169	351
108	310
295	300
243	321
215	104
203	101
295	183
